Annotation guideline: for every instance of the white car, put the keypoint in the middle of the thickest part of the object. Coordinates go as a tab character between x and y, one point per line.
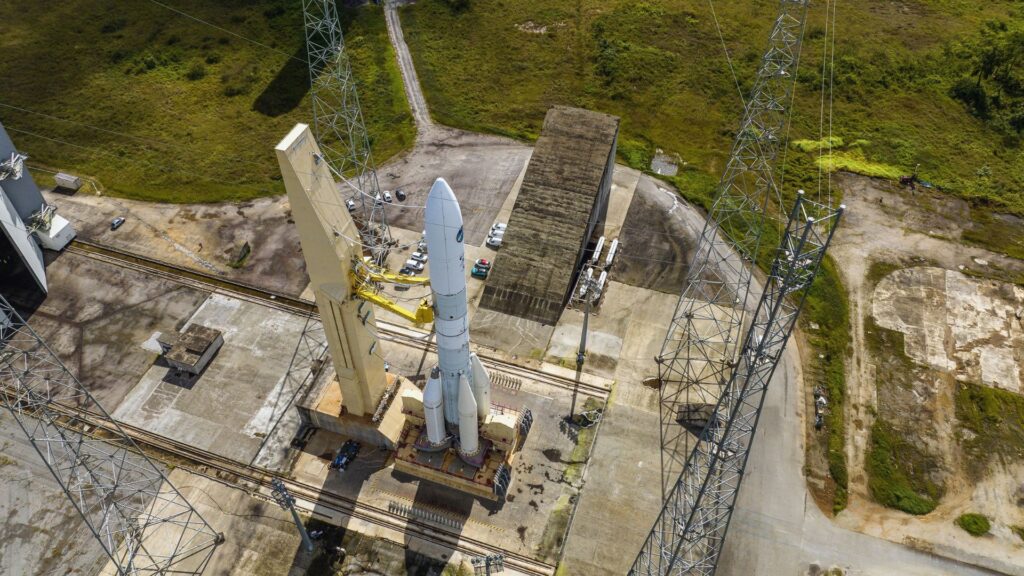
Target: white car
419	256
387	196
497	233
494	241
499	226
414	265
351	204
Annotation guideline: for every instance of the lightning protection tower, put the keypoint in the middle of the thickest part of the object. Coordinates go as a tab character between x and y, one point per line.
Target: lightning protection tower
338	121
700	348
689	534
143	523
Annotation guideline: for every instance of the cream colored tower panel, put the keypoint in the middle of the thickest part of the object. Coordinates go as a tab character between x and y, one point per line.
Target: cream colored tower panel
330	245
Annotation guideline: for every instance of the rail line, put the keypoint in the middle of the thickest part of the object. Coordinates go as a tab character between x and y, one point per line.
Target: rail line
294	305
223	469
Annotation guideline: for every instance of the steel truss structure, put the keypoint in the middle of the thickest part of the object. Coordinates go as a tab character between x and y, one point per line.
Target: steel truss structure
700	348
688	536
143	523
338	120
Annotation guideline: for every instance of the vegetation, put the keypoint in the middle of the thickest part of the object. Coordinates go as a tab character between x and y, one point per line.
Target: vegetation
157	106
898	472
994	419
1018	530
497	66
974	524
828	307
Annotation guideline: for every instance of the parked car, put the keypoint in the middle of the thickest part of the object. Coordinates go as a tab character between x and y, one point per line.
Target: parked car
479	272
400	194
414	265
351	205
116	222
387	196
494	241
346	454
499	226
419	256
497	233
406	271
483	263
422	245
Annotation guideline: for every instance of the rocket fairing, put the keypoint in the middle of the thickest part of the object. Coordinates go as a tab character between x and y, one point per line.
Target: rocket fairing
433	413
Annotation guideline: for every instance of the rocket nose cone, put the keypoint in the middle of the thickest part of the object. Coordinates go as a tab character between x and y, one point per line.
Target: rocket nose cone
442	207
432	393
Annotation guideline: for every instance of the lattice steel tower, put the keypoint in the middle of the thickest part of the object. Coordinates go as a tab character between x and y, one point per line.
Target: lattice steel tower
700	348
338	121
689	534
143	523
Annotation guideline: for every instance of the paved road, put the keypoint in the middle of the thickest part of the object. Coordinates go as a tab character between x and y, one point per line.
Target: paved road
413	93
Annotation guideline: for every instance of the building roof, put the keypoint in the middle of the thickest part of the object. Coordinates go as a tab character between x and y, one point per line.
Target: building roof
191	344
550	218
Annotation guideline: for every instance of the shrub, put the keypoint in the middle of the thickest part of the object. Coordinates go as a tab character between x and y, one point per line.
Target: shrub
974	524
196	72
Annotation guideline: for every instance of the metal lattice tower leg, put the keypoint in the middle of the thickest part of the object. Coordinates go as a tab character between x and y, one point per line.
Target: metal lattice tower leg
700	349
688	536
143	523
338	121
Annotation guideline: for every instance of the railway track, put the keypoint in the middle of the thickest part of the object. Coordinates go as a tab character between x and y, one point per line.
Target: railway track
291	304
254	479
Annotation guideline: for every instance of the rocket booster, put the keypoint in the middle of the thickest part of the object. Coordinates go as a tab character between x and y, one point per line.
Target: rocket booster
443	228
432	411
469	436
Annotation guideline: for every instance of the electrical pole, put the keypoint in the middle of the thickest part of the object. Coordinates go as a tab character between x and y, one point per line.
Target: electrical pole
286	501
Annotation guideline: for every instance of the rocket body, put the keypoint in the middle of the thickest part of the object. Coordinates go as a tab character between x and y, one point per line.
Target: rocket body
444	235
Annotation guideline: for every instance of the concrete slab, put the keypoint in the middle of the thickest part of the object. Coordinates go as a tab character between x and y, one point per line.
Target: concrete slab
232	406
539	494
480	169
98	317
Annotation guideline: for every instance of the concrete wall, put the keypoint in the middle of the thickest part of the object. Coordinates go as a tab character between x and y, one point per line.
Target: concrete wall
559	213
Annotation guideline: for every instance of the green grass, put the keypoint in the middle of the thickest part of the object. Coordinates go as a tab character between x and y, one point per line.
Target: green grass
995	420
1018	530
974	524
828	307
658	65
165	108
898	472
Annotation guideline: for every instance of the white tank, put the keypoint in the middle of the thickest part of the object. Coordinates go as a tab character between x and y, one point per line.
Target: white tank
597	251
599	287
611	253
585	282
433	409
481	387
469	440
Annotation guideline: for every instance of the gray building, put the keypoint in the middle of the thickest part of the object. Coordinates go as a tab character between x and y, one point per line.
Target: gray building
21	258
558	215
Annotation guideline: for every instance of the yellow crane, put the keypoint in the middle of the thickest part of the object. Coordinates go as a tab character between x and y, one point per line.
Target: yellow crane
366	280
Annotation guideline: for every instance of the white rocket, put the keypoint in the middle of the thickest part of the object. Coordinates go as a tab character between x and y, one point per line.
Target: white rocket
444	235
433	413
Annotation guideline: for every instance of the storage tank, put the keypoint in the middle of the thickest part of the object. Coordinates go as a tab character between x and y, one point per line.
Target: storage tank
597	251
611	253
599	287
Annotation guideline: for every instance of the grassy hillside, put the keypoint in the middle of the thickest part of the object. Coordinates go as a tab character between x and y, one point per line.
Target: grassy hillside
497	65
171	109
